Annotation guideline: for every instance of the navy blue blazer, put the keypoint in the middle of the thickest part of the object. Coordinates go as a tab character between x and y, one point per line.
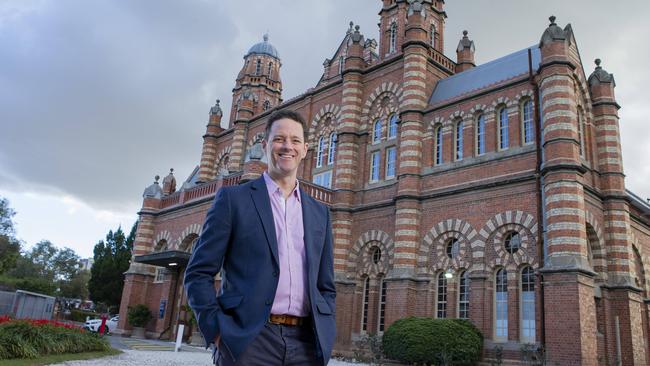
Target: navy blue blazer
238	239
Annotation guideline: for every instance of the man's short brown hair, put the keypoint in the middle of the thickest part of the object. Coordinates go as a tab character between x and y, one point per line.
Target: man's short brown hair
292	115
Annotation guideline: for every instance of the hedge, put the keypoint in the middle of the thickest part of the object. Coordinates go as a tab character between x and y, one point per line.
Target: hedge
433	341
36	338
80	315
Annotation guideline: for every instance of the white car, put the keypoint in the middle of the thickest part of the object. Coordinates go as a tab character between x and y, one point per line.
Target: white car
93	325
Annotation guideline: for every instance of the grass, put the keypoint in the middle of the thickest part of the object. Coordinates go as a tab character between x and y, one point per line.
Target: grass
50	359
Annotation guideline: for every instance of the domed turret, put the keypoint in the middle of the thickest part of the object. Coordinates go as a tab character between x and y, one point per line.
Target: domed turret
263	48
258	84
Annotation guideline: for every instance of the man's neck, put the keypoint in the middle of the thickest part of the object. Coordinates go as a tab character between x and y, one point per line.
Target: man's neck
286	183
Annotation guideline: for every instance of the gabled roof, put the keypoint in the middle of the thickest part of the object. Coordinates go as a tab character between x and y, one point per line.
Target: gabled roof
485	76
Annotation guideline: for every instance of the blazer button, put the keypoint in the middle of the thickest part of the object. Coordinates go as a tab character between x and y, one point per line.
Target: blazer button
275	273
269	302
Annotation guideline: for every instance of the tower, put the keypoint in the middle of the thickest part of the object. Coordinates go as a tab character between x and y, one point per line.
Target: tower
393	23
258	81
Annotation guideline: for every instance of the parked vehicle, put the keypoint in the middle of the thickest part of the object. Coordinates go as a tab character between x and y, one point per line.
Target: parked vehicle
93	325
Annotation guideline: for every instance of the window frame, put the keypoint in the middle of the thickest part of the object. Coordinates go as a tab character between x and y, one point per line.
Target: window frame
381	308
322	177
375	166
377	128
392	37
500	337
441	296
437	146
530	284
365	305
503	139
527	124
392	126
320	151
389	150
480	146
458	140
331	153
463	304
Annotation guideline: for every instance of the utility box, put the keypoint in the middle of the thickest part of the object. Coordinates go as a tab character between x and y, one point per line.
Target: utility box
26	305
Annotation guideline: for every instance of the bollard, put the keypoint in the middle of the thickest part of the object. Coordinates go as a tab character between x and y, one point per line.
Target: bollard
179	337
103	326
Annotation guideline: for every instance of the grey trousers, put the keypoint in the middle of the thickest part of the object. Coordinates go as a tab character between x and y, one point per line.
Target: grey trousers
276	345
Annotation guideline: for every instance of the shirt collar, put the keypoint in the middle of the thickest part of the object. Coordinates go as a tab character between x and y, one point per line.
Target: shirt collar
273	187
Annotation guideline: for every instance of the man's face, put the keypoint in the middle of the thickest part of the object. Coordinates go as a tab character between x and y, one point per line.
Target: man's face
285	148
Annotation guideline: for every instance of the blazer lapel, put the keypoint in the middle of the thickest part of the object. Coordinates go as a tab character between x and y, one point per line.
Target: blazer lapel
260	196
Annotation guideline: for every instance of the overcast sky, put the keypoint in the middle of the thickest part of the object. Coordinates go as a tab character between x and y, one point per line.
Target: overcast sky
97	97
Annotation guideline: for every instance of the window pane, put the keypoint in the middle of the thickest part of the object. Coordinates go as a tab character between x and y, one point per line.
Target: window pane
503	128
463	296
442	296
332	150
528	305
376	131
438	147
374	167
501	304
459	141
392	130
390	162
529	131
480	135
366	295
382	305
319	152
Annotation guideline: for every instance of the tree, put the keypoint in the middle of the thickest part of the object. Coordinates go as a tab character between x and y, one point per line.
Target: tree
112	258
65	264
9	245
76	287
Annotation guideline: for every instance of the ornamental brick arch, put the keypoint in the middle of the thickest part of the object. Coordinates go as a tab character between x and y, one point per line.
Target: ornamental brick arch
163	235
373	107
191	231
224	153
494	233
432	255
317	126
360	263
645	265
596	243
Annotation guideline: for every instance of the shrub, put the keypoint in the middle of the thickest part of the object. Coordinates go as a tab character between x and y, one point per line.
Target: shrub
35	338
80	315
433	341
139	315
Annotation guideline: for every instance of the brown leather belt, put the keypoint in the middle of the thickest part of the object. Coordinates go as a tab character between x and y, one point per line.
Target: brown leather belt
285	319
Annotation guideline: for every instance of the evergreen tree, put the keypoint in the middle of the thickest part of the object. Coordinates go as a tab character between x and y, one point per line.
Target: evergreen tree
112	257
9	245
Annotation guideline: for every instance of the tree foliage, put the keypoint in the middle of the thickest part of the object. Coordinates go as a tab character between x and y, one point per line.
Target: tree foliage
112	257
9	245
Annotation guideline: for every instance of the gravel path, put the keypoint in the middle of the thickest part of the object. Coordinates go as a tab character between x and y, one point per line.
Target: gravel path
163	358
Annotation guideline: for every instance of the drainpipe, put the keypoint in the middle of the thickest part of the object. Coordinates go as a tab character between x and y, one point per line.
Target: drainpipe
541	218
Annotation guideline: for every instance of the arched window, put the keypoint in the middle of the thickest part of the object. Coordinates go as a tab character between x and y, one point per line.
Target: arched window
433	35
581	132
392	43
527	122
527	305
480	135
270	69
331	154
374	166
376	254
341	64
441	303
463	295
503	128
258	67
392	126
459	140
382	305
320	150
437	148
501	306
366	297
376	131
266	106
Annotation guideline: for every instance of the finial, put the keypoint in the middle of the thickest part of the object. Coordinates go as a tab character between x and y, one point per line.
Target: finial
171	170
266	37
597	61
357	27
464	33
351	24
552	19
156	178
218	101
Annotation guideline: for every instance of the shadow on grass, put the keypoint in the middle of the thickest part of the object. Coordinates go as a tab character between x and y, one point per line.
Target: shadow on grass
50	359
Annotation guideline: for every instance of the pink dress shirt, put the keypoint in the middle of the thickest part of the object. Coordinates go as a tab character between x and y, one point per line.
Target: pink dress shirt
291	295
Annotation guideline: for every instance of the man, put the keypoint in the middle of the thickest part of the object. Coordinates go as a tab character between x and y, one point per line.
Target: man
273	245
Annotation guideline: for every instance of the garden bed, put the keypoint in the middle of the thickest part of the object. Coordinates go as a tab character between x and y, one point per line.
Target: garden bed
30	339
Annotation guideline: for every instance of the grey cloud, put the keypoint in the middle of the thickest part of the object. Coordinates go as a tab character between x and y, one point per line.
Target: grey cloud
98	97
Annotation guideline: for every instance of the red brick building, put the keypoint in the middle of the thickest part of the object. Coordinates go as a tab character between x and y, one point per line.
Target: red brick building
494	192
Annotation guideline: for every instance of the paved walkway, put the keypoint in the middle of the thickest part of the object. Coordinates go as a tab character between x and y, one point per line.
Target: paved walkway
147	352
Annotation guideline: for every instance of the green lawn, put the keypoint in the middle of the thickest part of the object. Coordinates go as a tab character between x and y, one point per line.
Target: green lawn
46	360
